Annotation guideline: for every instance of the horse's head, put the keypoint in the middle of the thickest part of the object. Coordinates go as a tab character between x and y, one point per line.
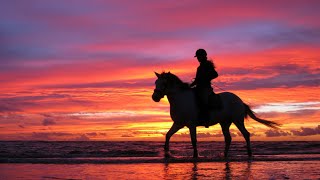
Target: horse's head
161	87
167	83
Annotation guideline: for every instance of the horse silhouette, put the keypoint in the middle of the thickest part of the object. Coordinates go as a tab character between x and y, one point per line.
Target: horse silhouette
184	112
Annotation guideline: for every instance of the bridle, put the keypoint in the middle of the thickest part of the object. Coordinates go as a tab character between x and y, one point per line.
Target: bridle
162	91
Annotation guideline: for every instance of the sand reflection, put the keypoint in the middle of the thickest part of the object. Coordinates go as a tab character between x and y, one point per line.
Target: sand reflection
201	170
220	170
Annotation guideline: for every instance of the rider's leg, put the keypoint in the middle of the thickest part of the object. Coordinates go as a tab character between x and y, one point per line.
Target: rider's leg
204	107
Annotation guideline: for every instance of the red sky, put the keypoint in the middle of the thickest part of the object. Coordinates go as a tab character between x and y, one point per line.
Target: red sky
83	70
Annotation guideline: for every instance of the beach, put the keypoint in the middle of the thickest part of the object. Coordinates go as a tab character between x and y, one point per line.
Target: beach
144	160
204	170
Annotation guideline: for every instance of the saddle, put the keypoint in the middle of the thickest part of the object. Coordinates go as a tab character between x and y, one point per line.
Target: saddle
214	103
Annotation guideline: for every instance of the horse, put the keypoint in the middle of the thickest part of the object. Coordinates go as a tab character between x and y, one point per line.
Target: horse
184	112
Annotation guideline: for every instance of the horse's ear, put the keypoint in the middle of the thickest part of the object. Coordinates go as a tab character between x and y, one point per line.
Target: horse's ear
157	74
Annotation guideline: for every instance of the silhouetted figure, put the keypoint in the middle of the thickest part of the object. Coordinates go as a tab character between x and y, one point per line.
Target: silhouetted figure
184	112
205	73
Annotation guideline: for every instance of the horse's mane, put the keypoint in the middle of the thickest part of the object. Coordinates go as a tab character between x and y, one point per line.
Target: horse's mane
173	79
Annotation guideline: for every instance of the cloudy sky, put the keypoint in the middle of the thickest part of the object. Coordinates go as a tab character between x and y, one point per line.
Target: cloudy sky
83	70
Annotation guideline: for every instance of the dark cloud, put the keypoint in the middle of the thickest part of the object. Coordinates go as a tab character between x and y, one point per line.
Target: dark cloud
290	68
55	26
288	36
92	134
251	134
111	84
82	137
19	103
14	118
49	136
127	135
41	136
290	75
276	133
23	101
34	34
306	131
31	98
16	105
22	126
48	121
102	134
45	134
8	108
221	135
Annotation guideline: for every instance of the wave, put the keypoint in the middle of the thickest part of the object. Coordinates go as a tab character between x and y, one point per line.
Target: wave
176	159
150	152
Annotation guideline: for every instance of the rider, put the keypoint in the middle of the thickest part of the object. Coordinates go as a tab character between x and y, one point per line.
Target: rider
202	83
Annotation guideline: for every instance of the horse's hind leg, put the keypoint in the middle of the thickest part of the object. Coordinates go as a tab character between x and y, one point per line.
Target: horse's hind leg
246	135
227	137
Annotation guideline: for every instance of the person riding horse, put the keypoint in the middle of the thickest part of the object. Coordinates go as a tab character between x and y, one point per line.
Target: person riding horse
202	83
184	112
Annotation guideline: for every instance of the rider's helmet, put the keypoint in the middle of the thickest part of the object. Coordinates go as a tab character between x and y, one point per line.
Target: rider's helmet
200	52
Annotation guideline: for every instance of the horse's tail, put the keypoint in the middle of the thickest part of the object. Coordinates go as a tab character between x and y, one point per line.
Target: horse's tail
249	112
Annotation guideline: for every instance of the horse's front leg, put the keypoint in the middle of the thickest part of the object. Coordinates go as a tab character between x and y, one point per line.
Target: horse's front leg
174	128
193	134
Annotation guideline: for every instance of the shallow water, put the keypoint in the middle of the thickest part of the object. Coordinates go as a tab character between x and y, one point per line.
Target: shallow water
208	170
103	149
145	160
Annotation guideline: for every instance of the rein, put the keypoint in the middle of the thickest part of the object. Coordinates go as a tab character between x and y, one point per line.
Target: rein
173	80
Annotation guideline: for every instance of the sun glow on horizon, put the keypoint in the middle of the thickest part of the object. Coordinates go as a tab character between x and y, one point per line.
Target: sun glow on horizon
89	74
288	107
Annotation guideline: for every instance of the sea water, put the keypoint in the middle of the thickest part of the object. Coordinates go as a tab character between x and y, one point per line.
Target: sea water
145	160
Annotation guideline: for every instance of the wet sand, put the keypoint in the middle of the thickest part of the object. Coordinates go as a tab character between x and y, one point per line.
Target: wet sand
197	170
145	160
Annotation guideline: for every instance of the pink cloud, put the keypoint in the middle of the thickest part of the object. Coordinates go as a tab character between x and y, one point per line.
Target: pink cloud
48	121
276	133
96	57
306	131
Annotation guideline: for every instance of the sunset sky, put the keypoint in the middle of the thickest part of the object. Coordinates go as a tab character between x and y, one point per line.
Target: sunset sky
84	70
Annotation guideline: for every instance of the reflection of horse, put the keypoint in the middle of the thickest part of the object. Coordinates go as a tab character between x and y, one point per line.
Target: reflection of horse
218	170
184	112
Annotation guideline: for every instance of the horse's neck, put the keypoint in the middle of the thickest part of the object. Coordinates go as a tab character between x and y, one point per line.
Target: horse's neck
173	95
182	106
176	95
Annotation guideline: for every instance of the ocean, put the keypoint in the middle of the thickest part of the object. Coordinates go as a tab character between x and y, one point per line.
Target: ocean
145	160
